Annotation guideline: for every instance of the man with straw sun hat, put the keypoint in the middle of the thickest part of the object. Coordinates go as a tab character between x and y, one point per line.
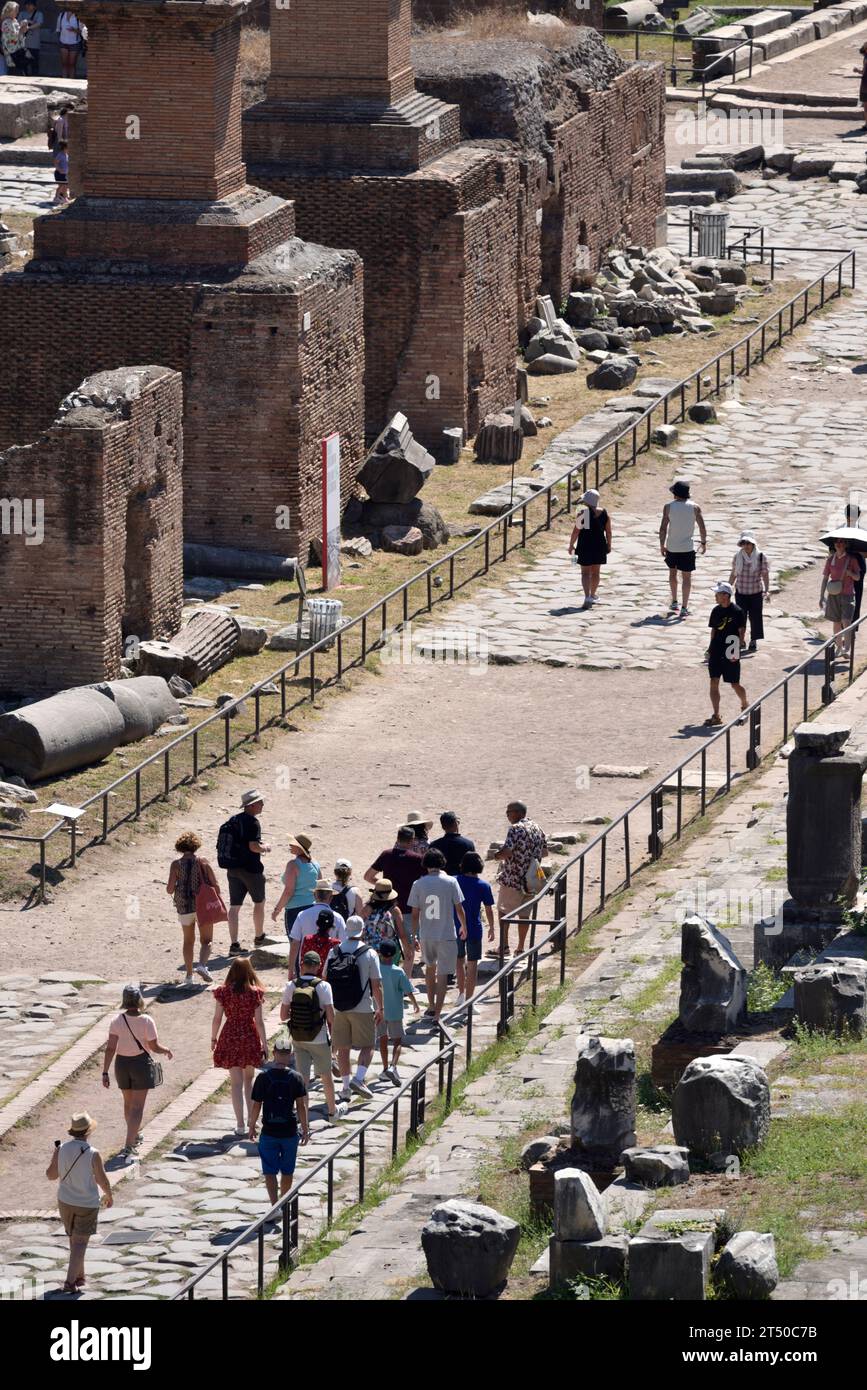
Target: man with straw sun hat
79	1172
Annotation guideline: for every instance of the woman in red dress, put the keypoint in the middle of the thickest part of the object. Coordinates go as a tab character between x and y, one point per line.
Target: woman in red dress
242	1045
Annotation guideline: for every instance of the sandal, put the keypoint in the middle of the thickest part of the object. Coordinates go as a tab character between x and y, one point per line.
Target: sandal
68	1288
712	723
81	1283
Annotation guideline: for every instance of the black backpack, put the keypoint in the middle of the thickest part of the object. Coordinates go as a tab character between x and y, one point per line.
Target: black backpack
229	844
305	1012
340	901
344	977
280	1098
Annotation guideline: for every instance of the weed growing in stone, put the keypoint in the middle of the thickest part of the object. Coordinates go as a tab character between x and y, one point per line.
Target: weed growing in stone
764	988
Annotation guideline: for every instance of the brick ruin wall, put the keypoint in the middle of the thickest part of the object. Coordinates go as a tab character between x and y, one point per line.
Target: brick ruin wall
256	399
438	254
602	184
609	167
111	487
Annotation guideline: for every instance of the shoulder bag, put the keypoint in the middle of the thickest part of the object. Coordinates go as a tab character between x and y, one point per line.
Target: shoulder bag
154	1068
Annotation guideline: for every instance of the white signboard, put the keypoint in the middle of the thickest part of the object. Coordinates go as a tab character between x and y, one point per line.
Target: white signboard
331	511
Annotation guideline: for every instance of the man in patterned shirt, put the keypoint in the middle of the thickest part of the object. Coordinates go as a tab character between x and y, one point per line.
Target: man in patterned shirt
524	842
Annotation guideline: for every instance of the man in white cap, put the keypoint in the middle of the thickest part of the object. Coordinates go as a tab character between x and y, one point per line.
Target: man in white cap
752	581
680	517
353	972
239	852
728	625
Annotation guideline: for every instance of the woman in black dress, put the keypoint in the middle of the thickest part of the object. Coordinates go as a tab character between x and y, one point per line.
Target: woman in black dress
591	536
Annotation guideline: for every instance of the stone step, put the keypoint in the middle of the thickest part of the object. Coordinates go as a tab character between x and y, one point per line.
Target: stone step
689	200
724	183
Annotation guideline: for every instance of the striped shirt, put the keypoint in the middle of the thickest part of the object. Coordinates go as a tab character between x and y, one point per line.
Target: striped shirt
751	572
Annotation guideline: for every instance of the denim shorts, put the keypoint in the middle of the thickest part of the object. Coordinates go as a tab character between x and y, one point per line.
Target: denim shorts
277	1155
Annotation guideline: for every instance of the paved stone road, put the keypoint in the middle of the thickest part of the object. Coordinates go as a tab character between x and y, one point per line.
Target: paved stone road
383	1258
185	1200
783	468
42	1015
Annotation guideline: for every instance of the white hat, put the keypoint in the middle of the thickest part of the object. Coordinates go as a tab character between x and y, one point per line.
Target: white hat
723	588
591	497
251	797
747	536
342	864
354	926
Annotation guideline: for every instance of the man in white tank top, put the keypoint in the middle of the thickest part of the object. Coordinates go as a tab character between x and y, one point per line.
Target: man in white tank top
680	517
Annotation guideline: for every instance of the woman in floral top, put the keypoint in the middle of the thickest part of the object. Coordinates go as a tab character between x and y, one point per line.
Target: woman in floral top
12	35
524	842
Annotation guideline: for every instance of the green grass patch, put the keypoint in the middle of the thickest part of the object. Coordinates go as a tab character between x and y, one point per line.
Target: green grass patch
775	874
814	1146
764	988
810	1046
654	991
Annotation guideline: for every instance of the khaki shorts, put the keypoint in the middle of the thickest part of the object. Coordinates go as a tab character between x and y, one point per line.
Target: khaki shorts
510	898
311	1055
353	1029
442	954
78	1221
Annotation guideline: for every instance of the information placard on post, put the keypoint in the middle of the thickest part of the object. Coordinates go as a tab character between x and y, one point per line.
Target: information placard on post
331	511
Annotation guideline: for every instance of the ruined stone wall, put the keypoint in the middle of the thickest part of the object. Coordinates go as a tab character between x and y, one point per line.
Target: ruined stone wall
250	389
108	473
438	251
609	165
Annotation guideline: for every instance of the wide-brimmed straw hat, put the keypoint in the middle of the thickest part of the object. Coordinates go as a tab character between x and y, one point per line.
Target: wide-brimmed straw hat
415	818
383	891
82	1123
302	842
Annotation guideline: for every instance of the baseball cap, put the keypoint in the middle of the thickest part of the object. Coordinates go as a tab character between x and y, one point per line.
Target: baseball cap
354	926
312	959
723	588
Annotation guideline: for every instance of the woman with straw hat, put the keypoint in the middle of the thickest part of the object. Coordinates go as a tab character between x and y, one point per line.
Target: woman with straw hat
416	822
383	921
300	877
80	1174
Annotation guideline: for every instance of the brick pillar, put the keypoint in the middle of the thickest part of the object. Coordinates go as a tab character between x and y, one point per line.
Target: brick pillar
342	94
341	50
160	172
164	99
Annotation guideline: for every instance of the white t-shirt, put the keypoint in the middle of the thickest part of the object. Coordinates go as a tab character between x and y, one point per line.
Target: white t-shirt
436	895
305	923
68	27
326	1001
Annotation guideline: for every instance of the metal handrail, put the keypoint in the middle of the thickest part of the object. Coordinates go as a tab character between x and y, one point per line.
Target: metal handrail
721	57
673	406
287	1207
504	979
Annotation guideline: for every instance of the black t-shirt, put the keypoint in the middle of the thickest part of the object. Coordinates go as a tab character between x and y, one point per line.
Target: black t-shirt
454	847
283	1086
249	829
726	624
403	868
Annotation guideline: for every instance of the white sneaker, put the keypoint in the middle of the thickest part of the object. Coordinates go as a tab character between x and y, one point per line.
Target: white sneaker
394	1076
204	972
189	982
360	1089
239	1133
459	1001
338	1112
344	1095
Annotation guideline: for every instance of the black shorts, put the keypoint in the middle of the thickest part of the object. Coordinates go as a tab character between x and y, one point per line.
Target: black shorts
471	949
680	560
60	178
718	667
242	882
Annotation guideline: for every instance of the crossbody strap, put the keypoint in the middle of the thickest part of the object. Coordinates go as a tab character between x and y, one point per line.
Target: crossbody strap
132	1030
74	1161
